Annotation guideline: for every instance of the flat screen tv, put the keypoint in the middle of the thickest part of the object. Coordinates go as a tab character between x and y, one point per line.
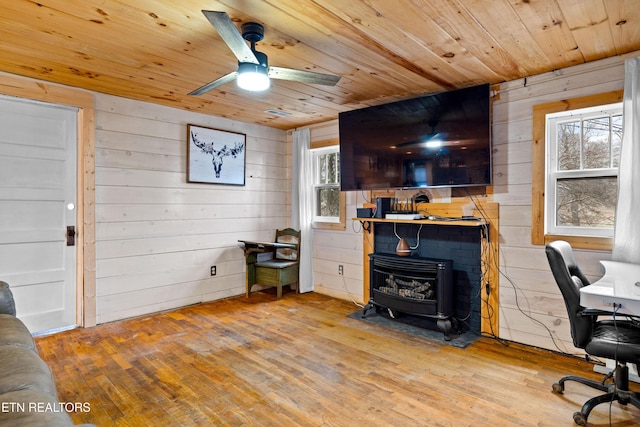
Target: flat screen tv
439	140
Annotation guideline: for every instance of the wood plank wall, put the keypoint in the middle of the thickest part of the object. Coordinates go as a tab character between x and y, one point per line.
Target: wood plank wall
531	308
537	316
158	235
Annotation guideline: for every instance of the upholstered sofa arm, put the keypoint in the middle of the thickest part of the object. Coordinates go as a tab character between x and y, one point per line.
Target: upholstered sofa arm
7	305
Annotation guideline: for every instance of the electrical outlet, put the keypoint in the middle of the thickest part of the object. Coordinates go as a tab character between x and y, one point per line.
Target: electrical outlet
213	270
340	270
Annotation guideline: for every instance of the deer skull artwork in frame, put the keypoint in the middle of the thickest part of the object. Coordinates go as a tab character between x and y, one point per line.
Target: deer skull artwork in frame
215	156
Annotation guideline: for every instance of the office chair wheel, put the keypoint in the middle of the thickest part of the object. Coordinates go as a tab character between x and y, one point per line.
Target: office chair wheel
579	418
558	388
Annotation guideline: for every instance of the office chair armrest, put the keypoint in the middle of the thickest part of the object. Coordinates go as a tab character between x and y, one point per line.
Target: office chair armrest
597	312
594	312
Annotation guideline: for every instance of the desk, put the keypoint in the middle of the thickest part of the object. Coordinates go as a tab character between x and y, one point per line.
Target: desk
620	285
261	247
251	251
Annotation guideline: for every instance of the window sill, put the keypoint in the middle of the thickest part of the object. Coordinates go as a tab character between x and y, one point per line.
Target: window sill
328	225
581	242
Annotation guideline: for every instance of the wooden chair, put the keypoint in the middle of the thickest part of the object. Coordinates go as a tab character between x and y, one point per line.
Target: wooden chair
280	270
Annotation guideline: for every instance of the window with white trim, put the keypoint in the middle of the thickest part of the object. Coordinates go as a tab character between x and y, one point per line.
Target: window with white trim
326	184
583	153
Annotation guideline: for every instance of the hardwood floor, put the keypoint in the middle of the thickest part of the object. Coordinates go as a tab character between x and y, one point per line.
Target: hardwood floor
300	361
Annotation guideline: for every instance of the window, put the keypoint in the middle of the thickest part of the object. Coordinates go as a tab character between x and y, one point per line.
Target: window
574	170
583	152
326	183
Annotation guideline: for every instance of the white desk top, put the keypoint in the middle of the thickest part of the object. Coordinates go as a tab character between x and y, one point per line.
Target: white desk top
620	285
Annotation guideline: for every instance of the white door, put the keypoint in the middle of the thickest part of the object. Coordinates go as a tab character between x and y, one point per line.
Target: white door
38	146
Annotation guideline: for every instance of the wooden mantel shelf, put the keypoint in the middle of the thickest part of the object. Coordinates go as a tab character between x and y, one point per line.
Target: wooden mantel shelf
457	222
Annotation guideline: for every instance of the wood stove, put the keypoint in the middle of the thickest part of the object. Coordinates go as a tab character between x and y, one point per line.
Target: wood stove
413	285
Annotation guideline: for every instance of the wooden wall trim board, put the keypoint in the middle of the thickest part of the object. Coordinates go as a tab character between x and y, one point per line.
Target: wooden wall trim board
331	142
540	111
86	231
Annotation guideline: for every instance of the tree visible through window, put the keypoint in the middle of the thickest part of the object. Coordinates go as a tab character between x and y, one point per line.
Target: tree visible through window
327	184
582	168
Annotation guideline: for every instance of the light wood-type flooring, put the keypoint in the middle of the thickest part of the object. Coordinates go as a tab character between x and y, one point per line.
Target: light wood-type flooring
300	361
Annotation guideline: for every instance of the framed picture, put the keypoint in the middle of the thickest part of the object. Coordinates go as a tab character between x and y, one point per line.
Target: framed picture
215	156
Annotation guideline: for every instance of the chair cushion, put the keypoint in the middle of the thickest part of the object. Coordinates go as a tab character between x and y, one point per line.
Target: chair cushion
615	340
276	263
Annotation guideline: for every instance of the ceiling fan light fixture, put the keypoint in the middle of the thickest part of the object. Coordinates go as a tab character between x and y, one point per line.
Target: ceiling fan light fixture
253	72
253	77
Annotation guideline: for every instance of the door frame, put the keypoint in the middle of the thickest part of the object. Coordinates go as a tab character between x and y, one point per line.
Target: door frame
83	100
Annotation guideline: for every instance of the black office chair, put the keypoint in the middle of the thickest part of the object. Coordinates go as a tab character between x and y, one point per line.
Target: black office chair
616	338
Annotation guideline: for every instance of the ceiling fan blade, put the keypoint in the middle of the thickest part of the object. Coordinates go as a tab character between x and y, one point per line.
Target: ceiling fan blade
303	76
214	84
231	36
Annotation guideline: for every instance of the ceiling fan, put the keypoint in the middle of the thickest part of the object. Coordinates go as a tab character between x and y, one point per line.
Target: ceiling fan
253	71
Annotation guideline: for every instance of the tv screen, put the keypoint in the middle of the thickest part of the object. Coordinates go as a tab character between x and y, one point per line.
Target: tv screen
440	140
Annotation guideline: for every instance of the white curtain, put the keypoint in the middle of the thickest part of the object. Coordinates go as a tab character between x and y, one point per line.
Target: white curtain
302	204
626	242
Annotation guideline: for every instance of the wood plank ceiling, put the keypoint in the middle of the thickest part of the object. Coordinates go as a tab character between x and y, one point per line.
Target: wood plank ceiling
385	50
